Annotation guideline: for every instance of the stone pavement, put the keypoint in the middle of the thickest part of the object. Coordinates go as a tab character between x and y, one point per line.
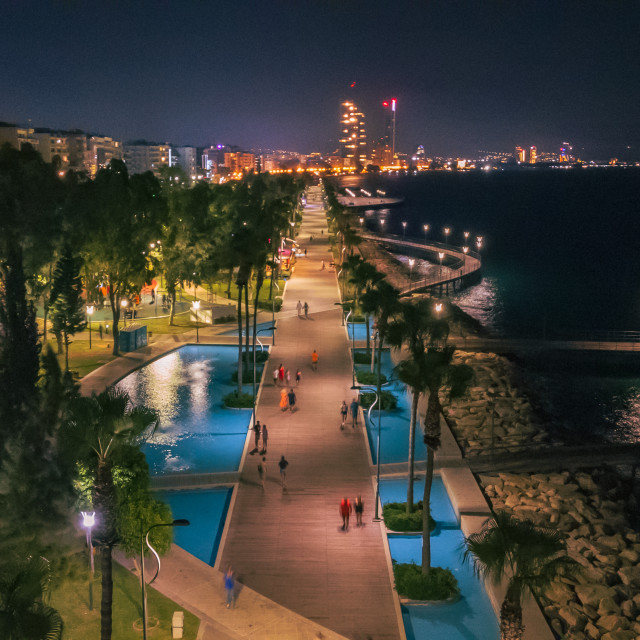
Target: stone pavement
288	545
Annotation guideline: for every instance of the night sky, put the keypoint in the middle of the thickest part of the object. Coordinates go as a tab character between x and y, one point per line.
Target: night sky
265	73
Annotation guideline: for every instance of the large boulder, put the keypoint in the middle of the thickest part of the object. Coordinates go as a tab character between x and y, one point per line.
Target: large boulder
630	575
620	635
592	594
573	617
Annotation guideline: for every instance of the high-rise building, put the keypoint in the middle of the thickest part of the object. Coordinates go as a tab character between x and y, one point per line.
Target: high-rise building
565	152
390	124
142	156
17	136
353	136
237	161
100	151
533	155
519	154
67	148
185	158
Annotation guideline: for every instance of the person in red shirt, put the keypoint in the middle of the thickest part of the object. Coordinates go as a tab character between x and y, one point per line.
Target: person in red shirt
345	511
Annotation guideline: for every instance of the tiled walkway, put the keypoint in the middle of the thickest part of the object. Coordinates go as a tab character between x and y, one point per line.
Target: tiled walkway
289	545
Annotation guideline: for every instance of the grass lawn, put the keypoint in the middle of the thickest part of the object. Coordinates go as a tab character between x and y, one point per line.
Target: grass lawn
72	601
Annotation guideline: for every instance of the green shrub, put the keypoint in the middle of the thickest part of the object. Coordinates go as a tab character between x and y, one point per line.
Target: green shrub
247	374
362	357
238	401
439	584
366	377
396	518
266	304
223	319
389	401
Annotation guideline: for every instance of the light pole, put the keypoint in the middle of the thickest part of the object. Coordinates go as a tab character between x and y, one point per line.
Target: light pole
465	250
404	230
90	310
447	231
145	538
440	256
438	309
254	361
273	309
123	304
425	228
377	401
411	263
196	305
466	236
381	225
361	223
293	231
88	520
479	242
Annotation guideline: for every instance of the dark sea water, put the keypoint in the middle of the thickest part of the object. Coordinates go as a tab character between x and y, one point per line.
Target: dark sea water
560	257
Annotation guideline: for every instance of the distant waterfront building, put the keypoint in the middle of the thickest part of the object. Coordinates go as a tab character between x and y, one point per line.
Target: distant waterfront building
143	156
100	151
533	155
185	158
353	135
565	152
519	154
237	161
17	136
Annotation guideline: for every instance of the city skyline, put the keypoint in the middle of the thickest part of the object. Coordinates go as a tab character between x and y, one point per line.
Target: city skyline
466	77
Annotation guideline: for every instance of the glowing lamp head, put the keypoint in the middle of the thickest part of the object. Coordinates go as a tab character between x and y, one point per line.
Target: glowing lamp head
465	249
88	519
411	262
90	309
196	305
441	255
124	303
438	307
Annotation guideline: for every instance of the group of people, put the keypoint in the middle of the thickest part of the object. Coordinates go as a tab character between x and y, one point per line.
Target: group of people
283	463
282	375
260	431
302	307
346	509
353	408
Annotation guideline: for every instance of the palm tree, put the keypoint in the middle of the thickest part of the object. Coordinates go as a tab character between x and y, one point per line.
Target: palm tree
416	325
102	425
24	594
528	556
363	276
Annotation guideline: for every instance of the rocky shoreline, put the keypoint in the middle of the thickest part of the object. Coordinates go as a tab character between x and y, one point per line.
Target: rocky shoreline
602	601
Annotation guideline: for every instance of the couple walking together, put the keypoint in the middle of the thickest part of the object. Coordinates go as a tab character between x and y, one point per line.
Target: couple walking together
300	307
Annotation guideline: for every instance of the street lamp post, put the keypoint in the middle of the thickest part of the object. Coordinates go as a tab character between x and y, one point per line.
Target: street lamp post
145	538
425	228
273	309
196	306
440	256
123	304
411	263
465	250
404	230
90	310
361	222
254	361
88	520
466	236
378	402
447	231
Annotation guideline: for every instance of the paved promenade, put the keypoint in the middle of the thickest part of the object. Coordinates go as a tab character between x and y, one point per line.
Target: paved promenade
289	545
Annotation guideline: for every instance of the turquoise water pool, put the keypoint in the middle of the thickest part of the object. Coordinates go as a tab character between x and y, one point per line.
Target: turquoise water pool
395	490
206	510
470	618
394	430
197	434
360	330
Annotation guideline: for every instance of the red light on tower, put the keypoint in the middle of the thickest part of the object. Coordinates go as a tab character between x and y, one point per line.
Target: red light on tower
385	103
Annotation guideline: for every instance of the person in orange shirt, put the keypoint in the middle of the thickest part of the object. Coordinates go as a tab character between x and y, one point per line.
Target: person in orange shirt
314	360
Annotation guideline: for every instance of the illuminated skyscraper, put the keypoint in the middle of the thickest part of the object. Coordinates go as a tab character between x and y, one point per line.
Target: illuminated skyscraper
519	154
390	124
533	155
353	136
565	152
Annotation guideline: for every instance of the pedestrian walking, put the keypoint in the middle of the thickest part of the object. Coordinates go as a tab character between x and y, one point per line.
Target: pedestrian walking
256	433
283	464
306	310
291	397
359	509
345	511
262	471
287	376
314	360
265	439
299	308
276	373
284	399
354	412
298	377
322	266
100	330
281	374
229	586
344	410
305	251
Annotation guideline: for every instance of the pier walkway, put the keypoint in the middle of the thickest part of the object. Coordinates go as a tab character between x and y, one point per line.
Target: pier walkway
288	545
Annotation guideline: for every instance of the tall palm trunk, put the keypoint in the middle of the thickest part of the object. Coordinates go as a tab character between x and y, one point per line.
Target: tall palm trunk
172	302
366	320
106	603
115	312
239	338
432	440
511	627
412	447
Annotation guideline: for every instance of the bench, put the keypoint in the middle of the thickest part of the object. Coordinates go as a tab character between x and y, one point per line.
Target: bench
177	624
